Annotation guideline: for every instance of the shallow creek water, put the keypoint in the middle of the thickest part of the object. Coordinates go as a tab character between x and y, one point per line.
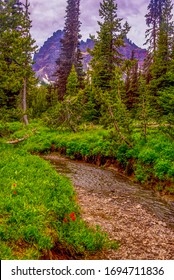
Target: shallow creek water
108	183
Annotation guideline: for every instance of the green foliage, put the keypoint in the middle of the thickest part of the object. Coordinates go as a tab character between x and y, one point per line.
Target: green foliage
143	173
34	202
70	52
162	34
105	54
114	111
162	168
131	83
82	240
147	156
67	114
38	101
72	83
16	50
7	128
166	103
143	107
155	158
122	153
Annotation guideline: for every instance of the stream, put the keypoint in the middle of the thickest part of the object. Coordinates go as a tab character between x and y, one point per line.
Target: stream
108	183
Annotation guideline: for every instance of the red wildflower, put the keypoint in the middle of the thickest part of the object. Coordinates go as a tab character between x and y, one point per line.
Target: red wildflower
15	192
14	185
72	214
65	220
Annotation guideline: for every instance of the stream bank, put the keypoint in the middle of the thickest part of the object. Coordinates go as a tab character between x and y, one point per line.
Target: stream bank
125	211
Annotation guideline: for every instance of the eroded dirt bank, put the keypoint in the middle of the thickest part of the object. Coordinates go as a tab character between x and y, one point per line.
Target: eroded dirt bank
140	222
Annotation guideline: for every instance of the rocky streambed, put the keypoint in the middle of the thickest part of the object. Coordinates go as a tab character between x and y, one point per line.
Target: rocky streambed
138	218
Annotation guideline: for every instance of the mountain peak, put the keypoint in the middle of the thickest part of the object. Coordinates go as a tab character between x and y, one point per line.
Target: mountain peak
45	58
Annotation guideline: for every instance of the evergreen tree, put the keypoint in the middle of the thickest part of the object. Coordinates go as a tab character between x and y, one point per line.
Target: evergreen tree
73	101
70	53
16	48
114	111
165	98
131	82
153	21
90	108
10	76
143	106
72	83
28	49
162	56
110	38
107	75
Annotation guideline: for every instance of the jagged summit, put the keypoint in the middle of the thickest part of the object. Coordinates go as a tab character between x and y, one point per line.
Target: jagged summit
47	55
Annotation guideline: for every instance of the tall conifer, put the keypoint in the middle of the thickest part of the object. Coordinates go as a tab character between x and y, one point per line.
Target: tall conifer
131	82
153	21
110	38
16	49
70	53
107	75
159	62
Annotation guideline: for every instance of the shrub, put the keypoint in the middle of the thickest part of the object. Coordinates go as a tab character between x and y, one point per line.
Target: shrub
147	156
162	168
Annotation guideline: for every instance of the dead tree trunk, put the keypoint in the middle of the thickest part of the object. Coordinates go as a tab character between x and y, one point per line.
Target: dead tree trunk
24	102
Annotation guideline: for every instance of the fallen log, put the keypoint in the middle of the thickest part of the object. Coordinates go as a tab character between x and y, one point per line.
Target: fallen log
21	139
17	140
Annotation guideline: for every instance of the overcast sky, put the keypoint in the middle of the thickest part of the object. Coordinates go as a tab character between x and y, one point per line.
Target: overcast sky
48	16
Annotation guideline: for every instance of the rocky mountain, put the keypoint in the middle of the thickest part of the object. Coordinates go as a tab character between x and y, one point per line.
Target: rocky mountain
45	58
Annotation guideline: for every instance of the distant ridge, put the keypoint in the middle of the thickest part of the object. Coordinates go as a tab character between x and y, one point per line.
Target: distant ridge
45	58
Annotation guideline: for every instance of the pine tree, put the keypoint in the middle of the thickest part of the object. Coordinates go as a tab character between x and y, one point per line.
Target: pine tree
143	106
110	38
10	76
114	111
166	101
166	92
153	21
16	48
162	55
131	82
70	53
72	83
28	49
106	73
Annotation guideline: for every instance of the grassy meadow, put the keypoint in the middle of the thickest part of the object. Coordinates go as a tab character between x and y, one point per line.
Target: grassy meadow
39	211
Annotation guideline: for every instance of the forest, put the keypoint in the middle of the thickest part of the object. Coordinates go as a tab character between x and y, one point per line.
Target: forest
116	113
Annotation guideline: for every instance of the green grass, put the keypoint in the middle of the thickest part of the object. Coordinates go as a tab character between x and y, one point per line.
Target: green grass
153	159
34	202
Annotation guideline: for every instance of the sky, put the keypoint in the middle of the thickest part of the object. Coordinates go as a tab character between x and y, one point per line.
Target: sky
48	17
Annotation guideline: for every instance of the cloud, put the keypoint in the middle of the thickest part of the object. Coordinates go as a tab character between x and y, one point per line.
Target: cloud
48	16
